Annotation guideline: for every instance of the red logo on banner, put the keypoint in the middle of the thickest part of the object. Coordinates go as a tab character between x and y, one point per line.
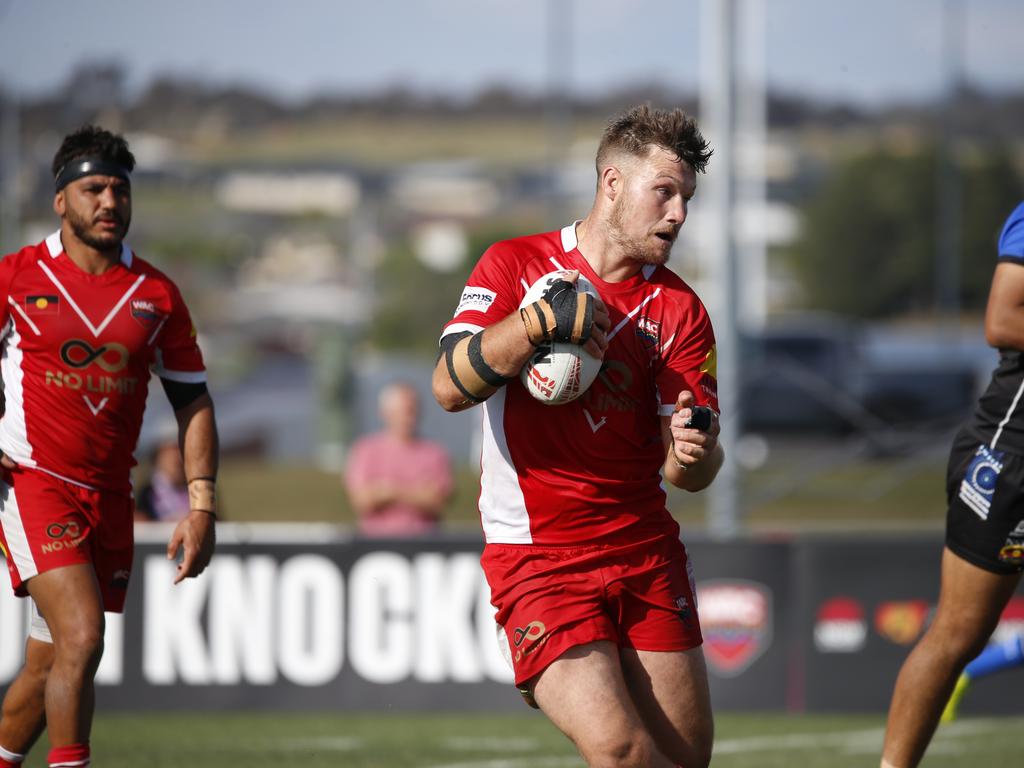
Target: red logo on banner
736	620
840	626
901	622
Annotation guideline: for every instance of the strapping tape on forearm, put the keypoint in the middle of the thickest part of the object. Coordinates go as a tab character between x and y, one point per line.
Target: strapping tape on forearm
202	495
469	371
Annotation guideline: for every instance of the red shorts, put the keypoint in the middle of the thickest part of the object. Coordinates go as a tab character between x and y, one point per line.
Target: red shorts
48	523
550	599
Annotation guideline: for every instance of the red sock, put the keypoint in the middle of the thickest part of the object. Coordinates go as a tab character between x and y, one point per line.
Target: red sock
71	756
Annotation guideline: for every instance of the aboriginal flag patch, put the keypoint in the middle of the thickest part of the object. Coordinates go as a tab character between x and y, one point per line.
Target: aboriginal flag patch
145	312
42	304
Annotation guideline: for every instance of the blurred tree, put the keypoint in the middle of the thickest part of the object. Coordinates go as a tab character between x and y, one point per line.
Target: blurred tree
414	301
868	243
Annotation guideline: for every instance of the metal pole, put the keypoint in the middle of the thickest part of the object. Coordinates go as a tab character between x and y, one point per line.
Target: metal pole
558	108
718	119
751	133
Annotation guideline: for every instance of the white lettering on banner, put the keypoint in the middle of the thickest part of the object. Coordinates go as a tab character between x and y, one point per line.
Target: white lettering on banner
173	646
381	591
257	620
111	668
13	631
14	621
446	589
241	619
311	606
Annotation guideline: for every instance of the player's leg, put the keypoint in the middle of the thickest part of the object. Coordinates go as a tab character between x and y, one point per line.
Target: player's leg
584	694
23	716
69	599
671	693
994	658
971	600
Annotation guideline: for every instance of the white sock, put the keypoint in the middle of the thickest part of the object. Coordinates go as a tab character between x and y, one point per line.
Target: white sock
10	757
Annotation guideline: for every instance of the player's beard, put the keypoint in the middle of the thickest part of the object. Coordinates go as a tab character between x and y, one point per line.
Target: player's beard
640	249
101	241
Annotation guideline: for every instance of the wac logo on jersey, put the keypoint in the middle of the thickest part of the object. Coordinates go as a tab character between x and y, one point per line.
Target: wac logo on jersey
145	312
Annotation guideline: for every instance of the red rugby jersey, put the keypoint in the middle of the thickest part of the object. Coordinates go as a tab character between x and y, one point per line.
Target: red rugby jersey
588	470
77	354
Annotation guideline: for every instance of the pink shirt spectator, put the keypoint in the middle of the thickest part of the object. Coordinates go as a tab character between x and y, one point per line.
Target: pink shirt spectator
397	481
381	461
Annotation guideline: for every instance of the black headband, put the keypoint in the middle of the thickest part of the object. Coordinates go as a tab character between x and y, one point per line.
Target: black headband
89	166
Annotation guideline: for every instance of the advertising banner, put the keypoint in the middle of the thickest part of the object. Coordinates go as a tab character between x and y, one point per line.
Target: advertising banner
308	619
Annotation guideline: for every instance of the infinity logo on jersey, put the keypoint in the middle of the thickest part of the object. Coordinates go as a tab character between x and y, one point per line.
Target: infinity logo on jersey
532	632
65	536
111	357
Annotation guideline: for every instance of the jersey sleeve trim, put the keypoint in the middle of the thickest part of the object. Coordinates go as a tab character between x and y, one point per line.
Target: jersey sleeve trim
184	377
459	328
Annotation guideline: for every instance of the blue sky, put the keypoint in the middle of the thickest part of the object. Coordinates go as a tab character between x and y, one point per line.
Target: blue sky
863	51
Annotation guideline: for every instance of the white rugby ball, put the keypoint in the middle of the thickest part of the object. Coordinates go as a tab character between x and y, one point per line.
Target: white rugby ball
558	372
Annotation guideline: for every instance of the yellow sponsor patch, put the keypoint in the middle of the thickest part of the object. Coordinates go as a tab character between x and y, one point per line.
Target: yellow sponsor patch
710	364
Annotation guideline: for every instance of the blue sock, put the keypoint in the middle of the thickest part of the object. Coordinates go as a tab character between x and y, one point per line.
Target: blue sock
997	656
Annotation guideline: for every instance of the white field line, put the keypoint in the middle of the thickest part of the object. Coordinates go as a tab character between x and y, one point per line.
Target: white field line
492	743
866	741
324	743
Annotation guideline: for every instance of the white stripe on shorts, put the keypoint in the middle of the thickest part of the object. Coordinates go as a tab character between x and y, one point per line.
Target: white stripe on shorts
14	532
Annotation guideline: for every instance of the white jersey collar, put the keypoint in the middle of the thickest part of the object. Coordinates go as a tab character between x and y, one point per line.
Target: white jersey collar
569	241
56	248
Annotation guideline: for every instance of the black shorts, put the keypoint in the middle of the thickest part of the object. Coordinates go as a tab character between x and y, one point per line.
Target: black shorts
985	491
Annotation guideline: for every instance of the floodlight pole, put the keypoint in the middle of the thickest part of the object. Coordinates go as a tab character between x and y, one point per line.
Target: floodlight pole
558	104
718	119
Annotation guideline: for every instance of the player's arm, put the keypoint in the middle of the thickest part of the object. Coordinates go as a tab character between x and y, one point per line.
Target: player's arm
472	366
194	536
693	456
1004	314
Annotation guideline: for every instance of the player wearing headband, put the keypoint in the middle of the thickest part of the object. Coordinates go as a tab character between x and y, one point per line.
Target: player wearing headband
84	322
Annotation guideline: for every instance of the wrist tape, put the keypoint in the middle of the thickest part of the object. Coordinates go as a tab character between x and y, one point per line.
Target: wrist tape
561	314
202	495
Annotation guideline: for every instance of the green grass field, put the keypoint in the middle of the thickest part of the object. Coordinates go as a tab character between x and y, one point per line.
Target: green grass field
510	741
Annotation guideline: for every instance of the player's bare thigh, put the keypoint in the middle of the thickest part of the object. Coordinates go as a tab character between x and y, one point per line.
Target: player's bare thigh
69	600
584	694
971	600
670	690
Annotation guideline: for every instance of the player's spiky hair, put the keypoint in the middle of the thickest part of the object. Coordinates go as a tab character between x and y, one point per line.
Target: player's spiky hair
636	130
93	141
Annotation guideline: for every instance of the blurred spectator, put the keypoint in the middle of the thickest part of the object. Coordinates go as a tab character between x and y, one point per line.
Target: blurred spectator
164	497
398	483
